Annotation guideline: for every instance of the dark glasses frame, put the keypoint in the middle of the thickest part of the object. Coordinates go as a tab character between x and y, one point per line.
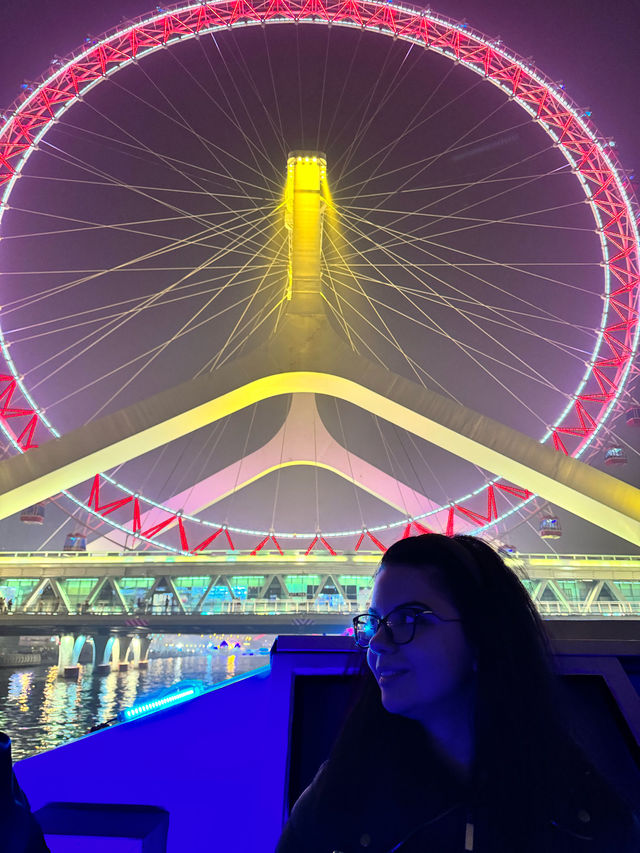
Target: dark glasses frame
417	606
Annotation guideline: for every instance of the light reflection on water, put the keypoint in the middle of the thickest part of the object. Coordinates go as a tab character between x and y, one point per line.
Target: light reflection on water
38	710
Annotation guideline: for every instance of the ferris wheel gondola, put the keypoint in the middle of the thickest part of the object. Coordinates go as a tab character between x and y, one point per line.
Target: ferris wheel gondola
550	527
75	542
633	416
615	455
33	514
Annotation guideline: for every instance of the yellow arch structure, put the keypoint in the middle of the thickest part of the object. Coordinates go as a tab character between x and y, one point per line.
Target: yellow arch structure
131	432
302	440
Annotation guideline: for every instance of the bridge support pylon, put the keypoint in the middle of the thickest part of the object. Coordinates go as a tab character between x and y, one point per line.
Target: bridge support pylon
69	655
102	649
121	651
140	646
111	652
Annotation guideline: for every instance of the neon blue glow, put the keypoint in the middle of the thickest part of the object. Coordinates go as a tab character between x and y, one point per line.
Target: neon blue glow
184	695
156	705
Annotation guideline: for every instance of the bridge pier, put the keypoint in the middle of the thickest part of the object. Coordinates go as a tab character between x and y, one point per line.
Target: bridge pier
69	655
110	651
145	643
139	650
102	648
120	652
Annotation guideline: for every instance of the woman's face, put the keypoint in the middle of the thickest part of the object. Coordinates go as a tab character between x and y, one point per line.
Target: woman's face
436	667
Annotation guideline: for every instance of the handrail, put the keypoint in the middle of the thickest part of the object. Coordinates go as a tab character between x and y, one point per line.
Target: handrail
161	556
294	605
232	556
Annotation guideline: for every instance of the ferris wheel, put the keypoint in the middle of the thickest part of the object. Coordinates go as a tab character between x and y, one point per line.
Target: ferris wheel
478	238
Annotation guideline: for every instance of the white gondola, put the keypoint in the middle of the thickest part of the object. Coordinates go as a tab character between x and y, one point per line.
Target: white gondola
615	456
550	527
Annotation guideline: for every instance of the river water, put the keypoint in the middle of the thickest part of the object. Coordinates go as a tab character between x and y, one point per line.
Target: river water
39	710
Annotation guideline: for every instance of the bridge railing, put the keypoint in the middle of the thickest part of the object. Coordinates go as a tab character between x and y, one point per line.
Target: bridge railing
260	606
240	554
294	605
161	556
594	559
596	608
266	606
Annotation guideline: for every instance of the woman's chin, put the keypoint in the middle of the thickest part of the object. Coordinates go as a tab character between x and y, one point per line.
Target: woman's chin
394	704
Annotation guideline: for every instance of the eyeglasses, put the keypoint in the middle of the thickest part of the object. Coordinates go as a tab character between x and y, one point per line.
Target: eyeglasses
400	624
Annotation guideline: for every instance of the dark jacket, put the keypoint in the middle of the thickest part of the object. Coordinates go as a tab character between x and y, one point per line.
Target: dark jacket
439	819
19	830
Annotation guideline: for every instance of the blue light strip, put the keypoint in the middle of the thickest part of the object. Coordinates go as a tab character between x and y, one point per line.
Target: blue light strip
146	708
156	705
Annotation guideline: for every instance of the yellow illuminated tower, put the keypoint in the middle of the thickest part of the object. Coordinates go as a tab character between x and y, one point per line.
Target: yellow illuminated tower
306	197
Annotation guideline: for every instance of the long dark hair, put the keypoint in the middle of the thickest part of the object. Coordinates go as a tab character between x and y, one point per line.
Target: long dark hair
527	758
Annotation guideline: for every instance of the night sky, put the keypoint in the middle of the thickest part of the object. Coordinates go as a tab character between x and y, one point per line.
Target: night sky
595	55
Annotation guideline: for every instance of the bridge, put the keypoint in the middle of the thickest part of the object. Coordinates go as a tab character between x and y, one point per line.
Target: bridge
118	600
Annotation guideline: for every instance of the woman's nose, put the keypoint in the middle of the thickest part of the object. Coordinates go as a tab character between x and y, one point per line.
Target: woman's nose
381	641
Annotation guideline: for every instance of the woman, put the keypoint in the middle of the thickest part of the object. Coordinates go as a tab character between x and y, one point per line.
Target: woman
460	739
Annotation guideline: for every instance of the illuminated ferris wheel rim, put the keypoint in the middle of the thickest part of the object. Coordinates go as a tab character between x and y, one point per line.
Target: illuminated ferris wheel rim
591	159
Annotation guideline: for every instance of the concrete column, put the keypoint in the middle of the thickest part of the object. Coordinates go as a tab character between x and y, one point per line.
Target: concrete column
139	648
69	655
120	652
102	651
134	645
143	661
